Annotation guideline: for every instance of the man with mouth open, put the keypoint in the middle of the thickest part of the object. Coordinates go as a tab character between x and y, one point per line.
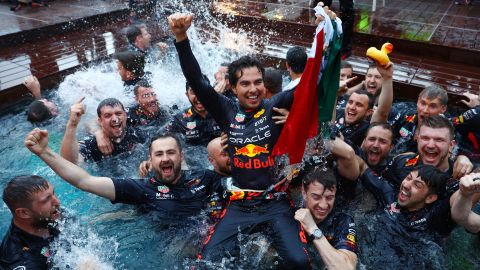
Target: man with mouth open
195	123
172	193
252	134
147	111
112	119
352	121
34	207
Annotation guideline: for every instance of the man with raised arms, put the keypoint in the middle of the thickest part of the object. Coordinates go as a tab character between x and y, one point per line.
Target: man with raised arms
171	192
252	135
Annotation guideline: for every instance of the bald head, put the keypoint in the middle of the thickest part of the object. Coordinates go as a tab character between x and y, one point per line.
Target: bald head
218	157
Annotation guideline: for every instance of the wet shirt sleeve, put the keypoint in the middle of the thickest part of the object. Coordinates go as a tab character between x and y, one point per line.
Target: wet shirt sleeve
380	188
216	104
89	150
345	233
130	191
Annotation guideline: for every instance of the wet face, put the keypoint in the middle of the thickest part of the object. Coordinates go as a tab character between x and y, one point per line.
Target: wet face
221	73
345	73
143	41
220	161
429	107
147	98
113	121
319	200
434	146
377	145
197	106
414	193
357	109
45	207
166	160
373	81
51	106
249	89
124	74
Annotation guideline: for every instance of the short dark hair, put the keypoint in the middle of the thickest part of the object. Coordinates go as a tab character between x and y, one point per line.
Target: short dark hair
438	121
435	179
297	59
164	135
371	66
385	126
345	64
319	175
238	65
141	83
132	61
111	102
435	91
38	112
19	190
371	98
273	80
132	32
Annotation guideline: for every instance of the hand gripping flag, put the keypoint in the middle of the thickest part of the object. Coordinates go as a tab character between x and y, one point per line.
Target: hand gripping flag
315	94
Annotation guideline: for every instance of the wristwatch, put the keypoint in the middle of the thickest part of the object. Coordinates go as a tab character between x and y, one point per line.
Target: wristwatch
316	234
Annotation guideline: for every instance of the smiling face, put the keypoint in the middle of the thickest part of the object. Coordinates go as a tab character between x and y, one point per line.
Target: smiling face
113	121
197	106
319	200
345	73
249	89
373	81
45	207
377	145
414	193
434	146
428	107
147	98
357	109
166	159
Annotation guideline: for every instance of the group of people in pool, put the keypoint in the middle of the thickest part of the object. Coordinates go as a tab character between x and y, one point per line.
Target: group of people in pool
405	159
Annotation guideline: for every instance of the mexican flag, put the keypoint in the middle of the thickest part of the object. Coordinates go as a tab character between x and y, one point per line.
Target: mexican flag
315	95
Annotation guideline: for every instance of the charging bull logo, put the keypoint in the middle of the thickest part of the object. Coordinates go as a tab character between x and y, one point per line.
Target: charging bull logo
251	150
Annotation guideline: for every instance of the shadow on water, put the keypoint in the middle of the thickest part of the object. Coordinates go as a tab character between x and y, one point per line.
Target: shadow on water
121	237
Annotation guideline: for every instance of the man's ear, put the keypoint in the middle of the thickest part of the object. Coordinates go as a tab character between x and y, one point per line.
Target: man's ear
369	112
23	213
431	198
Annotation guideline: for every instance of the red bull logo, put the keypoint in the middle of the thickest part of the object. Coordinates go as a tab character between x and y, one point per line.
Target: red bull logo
251	150
253	163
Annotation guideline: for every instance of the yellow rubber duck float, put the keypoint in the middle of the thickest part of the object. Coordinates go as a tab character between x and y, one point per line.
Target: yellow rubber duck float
380	56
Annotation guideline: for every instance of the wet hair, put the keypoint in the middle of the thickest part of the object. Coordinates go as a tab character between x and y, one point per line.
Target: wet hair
438	121
297	59
371	98
435	179
141	83
384	126
38	112
238	65
132	61
345	64
111	102
371	66
19	190
318	175
273	80
132	32
187	84
435	91
164	135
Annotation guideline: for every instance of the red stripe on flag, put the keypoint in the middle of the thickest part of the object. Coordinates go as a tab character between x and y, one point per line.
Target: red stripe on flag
302	122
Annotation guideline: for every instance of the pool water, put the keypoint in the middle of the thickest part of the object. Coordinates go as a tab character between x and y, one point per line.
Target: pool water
122	237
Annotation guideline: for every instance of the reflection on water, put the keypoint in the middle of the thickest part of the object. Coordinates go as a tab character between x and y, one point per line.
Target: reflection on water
120	236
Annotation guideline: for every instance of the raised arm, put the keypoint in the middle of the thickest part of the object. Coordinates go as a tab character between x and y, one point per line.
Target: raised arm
70	149
385	99
37	142
461	203
33	85
347	163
